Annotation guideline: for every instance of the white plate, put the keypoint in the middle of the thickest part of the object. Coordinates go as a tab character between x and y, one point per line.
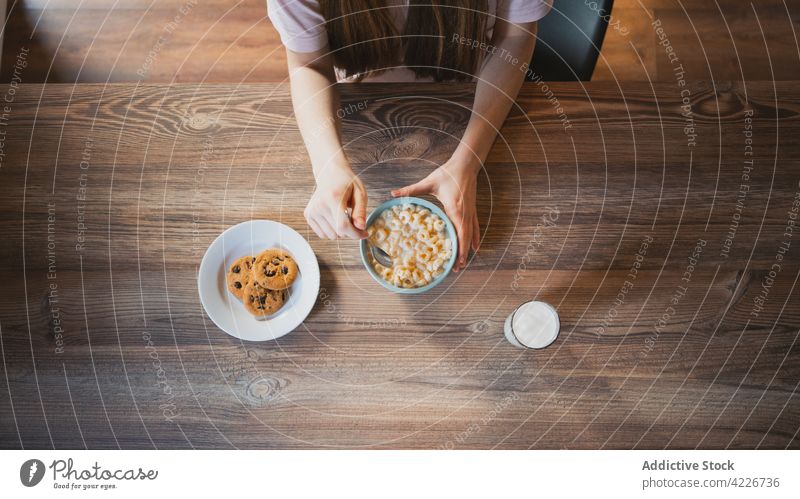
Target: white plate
251	238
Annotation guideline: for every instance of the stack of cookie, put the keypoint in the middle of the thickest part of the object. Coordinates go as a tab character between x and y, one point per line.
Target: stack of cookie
262	282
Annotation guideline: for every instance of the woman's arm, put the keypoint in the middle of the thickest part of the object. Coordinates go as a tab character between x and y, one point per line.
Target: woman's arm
499	81
498	85
315	101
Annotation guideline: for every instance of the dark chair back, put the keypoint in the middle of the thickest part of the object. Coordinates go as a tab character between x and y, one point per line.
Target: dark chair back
569	40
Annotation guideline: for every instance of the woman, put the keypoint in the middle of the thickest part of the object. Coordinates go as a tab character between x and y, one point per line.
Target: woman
391	41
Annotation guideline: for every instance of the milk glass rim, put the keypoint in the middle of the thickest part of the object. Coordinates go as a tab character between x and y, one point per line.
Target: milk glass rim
555	314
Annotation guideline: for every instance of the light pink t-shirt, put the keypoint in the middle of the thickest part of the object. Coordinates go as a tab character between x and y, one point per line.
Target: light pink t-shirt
301	25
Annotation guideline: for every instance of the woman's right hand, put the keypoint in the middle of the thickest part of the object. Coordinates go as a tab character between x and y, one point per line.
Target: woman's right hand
338	189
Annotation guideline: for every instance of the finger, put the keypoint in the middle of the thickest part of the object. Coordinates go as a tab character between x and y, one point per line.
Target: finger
421	187
476	233
315	227
341	224
342	219
326	228
463	232
360	208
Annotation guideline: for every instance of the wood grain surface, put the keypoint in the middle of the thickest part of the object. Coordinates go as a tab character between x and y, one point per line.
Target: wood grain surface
112	193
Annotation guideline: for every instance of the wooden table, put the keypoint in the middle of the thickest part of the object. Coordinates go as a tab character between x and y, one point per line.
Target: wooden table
111	195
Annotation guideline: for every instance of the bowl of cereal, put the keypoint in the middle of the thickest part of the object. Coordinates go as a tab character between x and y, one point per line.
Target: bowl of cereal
419	238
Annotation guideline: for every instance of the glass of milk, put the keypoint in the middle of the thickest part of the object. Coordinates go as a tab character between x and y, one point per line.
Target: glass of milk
533	324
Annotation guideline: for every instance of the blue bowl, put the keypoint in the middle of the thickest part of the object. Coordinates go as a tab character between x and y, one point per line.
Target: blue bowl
451	233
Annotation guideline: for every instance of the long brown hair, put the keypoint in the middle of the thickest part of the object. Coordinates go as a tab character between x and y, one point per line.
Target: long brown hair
364	39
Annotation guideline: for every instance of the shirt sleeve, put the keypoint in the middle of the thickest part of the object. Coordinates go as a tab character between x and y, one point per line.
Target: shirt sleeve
523	11
299	23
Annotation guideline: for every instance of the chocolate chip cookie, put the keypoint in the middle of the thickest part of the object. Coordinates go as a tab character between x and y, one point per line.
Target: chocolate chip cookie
274	269
239	275
262	302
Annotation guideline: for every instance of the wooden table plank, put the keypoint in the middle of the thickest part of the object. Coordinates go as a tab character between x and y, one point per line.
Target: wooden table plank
167	168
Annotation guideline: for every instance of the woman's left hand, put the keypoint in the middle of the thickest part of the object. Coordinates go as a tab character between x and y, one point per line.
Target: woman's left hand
454	184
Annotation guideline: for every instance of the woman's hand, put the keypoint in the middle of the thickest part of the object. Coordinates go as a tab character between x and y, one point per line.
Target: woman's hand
338	189
454	184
